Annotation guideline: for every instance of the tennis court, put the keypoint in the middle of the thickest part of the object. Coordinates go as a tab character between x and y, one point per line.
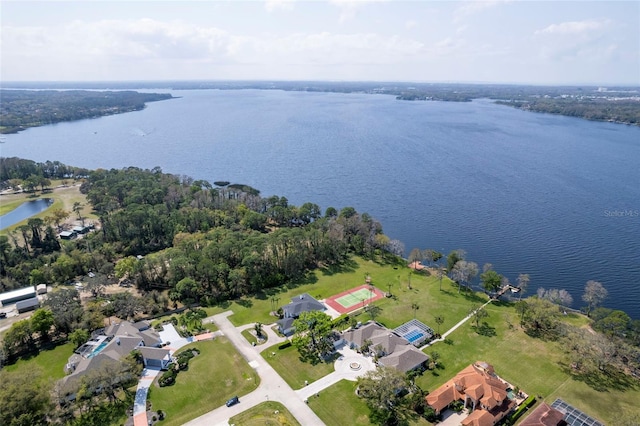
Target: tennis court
356	297
353	299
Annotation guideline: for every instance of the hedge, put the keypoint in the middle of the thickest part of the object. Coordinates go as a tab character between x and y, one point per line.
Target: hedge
522	408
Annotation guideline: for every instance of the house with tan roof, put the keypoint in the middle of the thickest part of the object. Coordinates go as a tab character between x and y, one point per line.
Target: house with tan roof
481	391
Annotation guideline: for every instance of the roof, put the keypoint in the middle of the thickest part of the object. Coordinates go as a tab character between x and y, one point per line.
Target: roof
300	304
405	359
22	292
154	353
286	323
125	328
544	415
359	335
378	335
29	303
479	382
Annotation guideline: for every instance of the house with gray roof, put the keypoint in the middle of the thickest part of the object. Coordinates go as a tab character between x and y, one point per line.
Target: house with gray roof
299	304
405	359
391	349
111	346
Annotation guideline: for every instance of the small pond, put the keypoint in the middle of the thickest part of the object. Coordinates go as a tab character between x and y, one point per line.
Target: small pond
24	211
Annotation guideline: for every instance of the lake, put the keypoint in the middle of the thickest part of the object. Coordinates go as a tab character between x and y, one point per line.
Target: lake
555	197
24	211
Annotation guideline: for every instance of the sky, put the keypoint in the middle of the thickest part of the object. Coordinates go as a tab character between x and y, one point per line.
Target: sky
521	42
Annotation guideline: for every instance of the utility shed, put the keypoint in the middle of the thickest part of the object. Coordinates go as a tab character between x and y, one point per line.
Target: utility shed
17	295
41	289
27	305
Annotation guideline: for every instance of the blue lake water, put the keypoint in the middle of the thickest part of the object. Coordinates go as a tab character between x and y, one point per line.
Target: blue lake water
552	196
24	211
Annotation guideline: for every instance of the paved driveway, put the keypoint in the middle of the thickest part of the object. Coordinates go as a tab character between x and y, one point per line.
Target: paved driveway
169	334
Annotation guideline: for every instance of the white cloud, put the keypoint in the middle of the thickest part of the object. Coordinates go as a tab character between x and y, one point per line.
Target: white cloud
272	5
473	7
574	27
349	8
410	24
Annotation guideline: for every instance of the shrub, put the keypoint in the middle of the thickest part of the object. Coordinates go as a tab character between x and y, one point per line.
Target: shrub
285	345
522	408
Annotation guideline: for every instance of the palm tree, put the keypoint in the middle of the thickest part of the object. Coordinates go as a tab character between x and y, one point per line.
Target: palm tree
258	330
415	307
439	319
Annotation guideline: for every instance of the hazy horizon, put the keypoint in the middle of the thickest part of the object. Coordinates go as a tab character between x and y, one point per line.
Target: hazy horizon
448	42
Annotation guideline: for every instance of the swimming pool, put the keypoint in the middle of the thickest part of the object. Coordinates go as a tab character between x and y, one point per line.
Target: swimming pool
413	335
98	349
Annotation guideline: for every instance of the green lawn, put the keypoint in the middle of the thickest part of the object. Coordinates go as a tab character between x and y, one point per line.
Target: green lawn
323	283
217	374
287	363
268	413
351	408
51	362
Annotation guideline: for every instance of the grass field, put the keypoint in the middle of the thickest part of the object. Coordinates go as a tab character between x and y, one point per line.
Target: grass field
51	362
351	407
217	374
287	363
266	414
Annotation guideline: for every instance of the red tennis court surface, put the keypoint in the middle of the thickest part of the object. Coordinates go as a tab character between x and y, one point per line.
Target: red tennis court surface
358	303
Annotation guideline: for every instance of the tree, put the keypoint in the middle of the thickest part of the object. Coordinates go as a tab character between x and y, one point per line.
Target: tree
77	209
311	337
67	311
440	274
415	255
439	319
594	294
96	285
541	318
373	311
491	280
258	329
478	314
79	336
383	389
523	283
41	322
454	257
24	398
415	308
464	272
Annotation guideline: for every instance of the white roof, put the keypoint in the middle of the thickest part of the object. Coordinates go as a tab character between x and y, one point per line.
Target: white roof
17	293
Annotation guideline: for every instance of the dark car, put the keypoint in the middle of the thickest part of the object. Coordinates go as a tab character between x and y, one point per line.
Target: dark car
232	401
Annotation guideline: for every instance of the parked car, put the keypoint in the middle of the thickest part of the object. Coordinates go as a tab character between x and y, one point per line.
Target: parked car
232	401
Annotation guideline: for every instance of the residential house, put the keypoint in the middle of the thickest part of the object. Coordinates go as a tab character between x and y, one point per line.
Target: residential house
291	311
112	345
480	389
391	349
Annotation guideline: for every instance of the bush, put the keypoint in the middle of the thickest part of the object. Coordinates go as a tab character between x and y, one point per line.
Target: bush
160	415
522	408
168	378
285	345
